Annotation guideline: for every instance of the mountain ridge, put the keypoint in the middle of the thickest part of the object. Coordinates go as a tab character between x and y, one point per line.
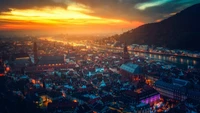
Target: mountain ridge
180	31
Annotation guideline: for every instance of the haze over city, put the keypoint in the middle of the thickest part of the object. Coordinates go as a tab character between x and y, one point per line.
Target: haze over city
99	56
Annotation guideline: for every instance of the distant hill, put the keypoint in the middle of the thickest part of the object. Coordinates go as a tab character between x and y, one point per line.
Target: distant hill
181	31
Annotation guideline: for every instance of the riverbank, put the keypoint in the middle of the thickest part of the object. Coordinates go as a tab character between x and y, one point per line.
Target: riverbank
166	54
157	53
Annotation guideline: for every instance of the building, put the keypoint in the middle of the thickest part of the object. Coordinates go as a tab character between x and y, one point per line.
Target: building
50	63
141	108
35	59
152	77
20	62
126	57
145	95
175	89
47	62
130	70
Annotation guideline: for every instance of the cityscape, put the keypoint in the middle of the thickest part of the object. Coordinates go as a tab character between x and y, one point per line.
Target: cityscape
77	56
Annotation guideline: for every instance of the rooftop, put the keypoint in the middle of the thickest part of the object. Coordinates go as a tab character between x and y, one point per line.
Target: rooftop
51	60
131	68
180	82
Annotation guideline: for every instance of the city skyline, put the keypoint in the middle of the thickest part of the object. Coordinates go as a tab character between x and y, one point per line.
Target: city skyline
99	56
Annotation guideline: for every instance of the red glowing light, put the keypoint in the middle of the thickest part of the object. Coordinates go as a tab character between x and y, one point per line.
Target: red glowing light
7	69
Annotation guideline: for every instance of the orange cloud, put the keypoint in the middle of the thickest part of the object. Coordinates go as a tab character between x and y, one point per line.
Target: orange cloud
74	18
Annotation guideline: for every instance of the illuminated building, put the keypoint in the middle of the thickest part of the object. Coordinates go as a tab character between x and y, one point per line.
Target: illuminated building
151	99
49	63
64	106
145	95
128	69
176	89
151	78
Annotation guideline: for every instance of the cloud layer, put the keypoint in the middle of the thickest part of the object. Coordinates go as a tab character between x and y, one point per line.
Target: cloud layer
86	15
131	10
6	5
144	10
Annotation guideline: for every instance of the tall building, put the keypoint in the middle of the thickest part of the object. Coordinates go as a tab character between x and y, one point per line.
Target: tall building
126	56
35	53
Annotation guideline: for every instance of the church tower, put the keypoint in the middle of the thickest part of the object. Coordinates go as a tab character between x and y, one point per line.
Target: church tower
35	53
126	56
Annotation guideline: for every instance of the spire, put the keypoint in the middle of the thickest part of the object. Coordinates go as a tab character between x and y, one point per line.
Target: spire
35	52
126	56
125	48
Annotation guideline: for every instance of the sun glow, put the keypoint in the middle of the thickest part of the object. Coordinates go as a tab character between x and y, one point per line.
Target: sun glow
73	17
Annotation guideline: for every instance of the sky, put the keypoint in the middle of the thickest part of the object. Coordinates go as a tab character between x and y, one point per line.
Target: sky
84	16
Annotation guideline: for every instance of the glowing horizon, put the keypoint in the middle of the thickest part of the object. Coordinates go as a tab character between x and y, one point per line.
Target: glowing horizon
85	16
74	17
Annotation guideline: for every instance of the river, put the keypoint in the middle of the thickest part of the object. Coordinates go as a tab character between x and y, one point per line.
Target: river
177	60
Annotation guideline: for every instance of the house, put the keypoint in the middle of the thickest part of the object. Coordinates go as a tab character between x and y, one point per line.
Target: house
62	106
141	108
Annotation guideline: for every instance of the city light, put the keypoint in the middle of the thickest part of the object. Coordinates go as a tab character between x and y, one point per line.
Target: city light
100	56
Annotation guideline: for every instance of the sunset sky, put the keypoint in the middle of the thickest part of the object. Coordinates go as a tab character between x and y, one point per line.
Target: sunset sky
85	16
